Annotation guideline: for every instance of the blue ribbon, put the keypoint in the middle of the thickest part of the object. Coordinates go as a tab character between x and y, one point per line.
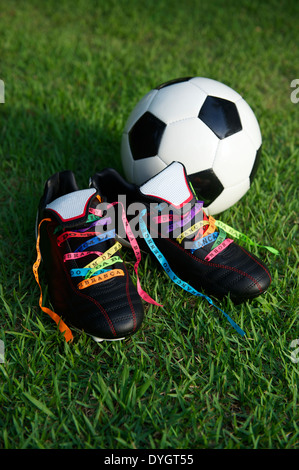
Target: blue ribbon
184	285
203	241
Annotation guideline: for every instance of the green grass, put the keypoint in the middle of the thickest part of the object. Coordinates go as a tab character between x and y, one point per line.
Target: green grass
73	71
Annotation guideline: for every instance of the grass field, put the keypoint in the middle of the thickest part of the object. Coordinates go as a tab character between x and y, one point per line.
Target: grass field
73	71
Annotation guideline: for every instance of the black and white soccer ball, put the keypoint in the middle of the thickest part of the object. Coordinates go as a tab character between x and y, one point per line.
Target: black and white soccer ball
205	125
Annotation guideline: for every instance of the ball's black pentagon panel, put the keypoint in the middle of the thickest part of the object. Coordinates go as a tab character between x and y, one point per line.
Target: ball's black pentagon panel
172	82
221	116
256	164
145	136
206	185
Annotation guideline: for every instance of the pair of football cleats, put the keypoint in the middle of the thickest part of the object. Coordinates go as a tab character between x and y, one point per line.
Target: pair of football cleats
80	234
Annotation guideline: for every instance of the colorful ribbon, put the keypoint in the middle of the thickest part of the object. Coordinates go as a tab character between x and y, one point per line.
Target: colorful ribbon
184	285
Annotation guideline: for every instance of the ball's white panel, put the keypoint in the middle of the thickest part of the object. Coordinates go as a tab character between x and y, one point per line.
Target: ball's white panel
234	159
215	88
249	123
126	157
176	102
140	109
190	142
146	168
228	198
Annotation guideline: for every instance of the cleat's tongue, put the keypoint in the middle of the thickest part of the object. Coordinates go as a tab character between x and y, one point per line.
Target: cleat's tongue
72	209
171	185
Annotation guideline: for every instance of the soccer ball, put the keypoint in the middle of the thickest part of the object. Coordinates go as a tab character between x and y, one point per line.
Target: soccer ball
203	124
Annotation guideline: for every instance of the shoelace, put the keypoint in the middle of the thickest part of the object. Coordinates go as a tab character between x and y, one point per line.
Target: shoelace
63	328
97	271
203	232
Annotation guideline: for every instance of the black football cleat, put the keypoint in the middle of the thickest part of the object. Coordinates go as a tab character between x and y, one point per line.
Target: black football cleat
173	226
88	283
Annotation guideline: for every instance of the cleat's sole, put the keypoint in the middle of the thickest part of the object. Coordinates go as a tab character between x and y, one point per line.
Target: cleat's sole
96	338
99	340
